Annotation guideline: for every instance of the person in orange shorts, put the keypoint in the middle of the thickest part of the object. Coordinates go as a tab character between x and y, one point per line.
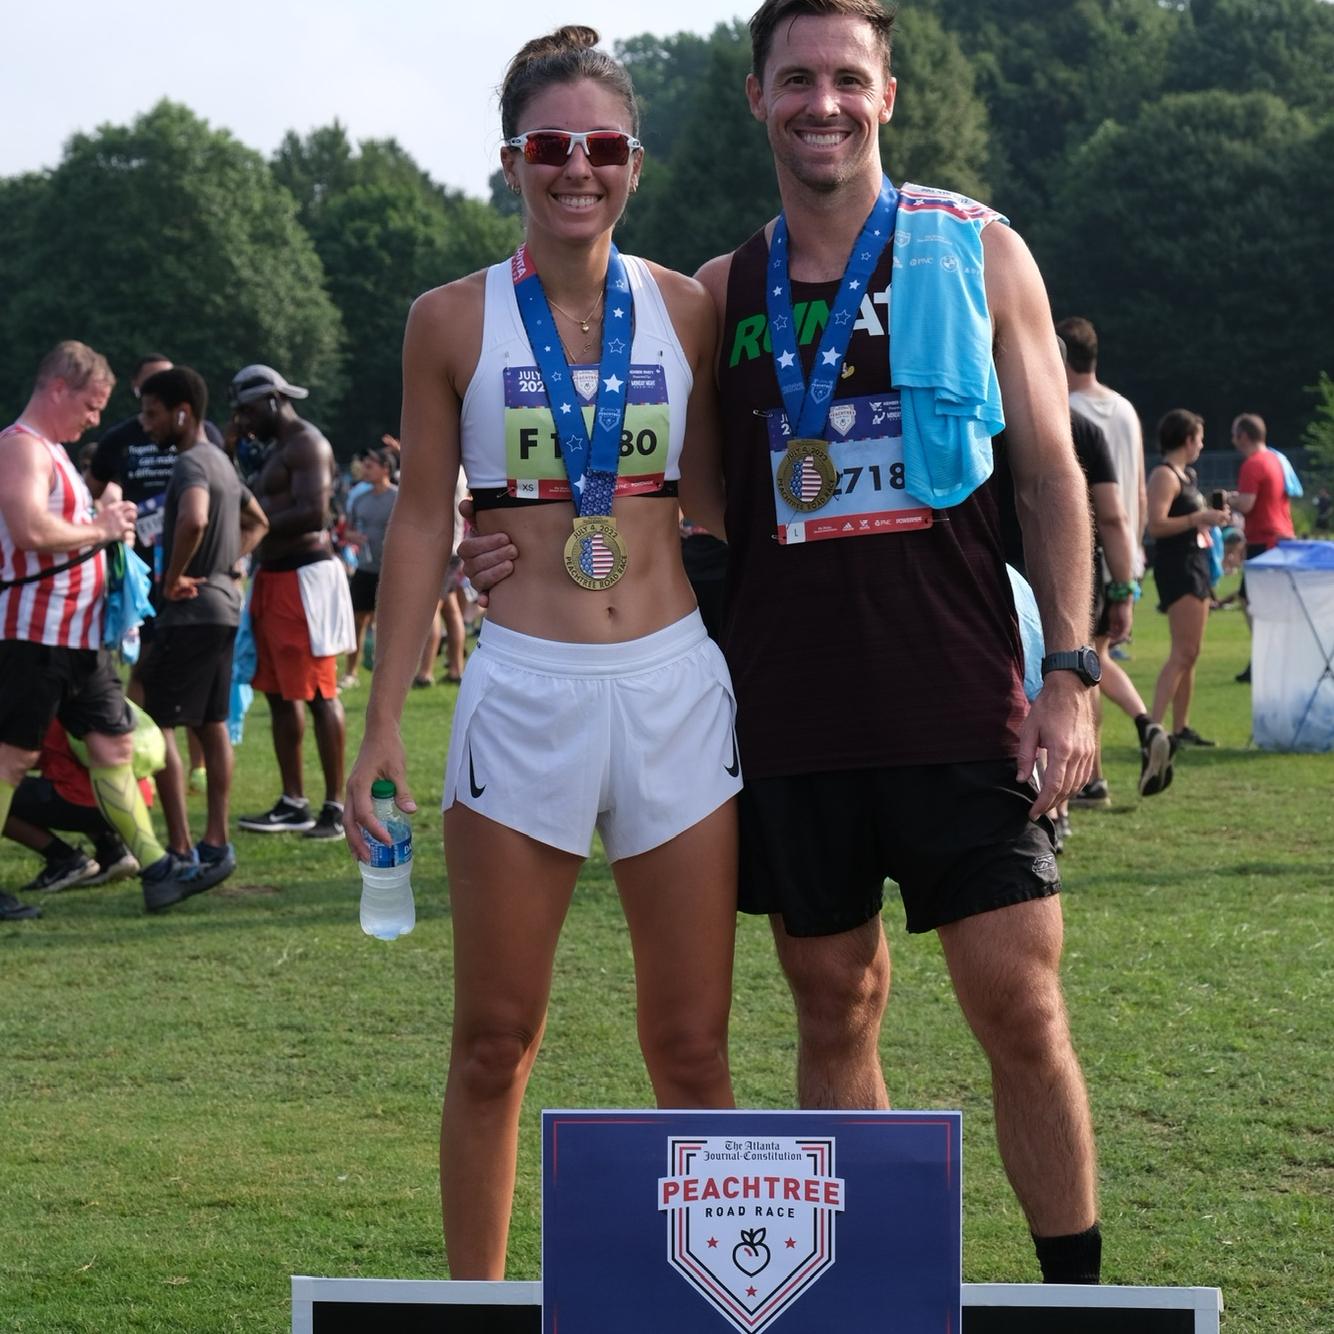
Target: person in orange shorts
300	609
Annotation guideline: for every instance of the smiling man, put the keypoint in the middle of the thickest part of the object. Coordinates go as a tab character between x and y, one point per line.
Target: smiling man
896	743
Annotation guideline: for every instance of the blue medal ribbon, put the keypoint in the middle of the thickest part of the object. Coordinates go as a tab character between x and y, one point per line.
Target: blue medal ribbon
808	407
591	461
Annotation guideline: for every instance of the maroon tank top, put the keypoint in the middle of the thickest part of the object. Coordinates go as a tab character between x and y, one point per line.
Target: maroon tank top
880	650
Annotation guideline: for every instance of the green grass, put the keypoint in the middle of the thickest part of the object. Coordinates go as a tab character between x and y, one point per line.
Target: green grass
199	1105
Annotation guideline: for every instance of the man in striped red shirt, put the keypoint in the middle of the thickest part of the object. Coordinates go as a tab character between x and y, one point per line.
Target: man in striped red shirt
52	588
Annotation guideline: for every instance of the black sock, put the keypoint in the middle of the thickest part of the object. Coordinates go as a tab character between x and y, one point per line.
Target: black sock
57	850
1076	1258
1141	726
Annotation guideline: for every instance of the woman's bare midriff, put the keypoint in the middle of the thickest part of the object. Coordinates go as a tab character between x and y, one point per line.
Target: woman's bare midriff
540	598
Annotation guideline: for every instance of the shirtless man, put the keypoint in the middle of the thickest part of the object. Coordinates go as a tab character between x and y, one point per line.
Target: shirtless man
300	610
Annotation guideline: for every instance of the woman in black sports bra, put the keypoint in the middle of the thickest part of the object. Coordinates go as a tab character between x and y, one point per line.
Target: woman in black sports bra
1179	523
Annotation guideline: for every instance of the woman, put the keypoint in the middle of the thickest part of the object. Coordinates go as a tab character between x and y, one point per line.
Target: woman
594	698
1179	522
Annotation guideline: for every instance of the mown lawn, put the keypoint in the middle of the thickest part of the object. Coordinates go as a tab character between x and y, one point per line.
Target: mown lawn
196	1106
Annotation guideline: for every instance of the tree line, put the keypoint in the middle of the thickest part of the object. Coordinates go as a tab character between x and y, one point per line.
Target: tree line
1169	164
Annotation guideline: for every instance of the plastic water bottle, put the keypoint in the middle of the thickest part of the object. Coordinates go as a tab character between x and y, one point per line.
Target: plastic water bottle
387	910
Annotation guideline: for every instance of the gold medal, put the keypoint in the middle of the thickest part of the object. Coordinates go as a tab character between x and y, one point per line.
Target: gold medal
807	476
595	553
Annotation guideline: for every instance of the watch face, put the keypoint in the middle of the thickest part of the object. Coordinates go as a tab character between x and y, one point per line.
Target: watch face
1091	666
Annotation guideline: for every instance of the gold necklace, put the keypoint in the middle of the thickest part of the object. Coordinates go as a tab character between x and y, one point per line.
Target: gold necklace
582	323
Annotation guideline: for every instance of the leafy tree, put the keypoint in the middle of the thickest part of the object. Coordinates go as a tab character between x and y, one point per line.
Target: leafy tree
166	234
385	233
1184	238
1319	434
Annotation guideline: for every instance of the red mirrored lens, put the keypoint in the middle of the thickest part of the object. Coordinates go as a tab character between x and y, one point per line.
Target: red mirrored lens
550	148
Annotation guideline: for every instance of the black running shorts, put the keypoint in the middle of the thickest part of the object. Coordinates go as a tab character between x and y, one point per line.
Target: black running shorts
188	675
39	682
817	848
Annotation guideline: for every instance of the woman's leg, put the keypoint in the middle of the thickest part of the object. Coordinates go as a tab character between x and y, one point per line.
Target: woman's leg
508	896
1186	619
680	904
426	665
457	632
361	619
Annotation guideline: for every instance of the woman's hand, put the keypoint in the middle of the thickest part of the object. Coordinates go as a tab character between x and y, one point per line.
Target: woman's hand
1212	518
381	756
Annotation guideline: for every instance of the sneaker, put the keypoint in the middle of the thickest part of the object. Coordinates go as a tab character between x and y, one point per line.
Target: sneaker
76	870
330	823
1060	832
285	817
14	910
120	867
1155	761
1188	736
1093	794
213	854
1120	652
174	877
198	781
348	682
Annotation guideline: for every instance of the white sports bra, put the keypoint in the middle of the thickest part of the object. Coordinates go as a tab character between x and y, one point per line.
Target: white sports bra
507	436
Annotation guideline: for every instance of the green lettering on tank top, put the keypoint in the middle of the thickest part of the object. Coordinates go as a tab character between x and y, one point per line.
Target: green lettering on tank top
817	316
751	338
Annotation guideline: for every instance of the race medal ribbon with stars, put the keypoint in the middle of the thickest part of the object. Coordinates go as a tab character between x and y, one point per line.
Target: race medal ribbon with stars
595	554
807	477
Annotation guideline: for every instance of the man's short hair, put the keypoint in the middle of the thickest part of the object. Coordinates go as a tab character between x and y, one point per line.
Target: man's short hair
771	13
176	387
1177	427
1081	343
149	359
1252	426
76	364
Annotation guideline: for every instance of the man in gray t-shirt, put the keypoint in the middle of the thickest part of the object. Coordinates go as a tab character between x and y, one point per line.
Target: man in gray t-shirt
367	521
210	521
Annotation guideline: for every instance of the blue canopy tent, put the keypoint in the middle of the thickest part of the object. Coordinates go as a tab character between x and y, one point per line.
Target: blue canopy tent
1291	594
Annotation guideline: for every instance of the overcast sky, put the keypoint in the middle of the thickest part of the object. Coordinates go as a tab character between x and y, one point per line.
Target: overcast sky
423	71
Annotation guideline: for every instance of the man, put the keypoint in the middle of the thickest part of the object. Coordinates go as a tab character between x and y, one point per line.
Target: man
1261	495
1119	422
1113	599
52	583
210	521
897	744
368	514
299	604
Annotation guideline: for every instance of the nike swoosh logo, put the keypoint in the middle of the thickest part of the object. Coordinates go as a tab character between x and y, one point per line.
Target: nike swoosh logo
734	768
472	778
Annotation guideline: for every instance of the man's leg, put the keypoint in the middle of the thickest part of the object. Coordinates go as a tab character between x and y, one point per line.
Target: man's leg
14	764
1005	966
289	726
170	780
118	795
219	761
331	740
840	985
1116	685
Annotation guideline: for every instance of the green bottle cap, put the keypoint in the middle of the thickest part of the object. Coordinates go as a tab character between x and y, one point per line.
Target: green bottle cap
383	787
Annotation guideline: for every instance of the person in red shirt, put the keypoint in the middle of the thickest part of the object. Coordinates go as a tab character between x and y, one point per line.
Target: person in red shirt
1261	495
60	796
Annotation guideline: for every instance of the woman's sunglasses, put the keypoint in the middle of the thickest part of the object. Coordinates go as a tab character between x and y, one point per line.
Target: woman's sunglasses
550	148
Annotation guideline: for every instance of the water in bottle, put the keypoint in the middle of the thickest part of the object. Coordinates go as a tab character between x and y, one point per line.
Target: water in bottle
387	910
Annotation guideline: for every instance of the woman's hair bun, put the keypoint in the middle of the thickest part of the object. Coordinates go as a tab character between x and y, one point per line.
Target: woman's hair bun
572	37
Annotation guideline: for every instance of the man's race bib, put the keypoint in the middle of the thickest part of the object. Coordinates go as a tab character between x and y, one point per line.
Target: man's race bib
865	438
534	469
149	520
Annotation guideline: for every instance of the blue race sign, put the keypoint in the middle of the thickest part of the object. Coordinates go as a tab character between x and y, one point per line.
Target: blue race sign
794	1222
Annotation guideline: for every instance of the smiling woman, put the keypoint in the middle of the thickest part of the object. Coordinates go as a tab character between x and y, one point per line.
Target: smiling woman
572	384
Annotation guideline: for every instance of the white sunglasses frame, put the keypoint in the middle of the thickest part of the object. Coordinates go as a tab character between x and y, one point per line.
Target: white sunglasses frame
579	137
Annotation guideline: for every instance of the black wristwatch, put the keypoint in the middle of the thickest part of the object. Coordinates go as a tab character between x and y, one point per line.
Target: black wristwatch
1082	661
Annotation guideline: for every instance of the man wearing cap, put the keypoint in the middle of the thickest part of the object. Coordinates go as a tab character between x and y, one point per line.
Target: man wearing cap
300	610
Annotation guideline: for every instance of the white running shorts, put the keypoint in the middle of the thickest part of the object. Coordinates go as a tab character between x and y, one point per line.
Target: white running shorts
635	740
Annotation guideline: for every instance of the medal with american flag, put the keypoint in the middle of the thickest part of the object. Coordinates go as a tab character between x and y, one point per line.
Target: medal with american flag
595	554
807	476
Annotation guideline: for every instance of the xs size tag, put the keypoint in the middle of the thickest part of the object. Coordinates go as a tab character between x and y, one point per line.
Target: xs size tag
865	450
533	465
